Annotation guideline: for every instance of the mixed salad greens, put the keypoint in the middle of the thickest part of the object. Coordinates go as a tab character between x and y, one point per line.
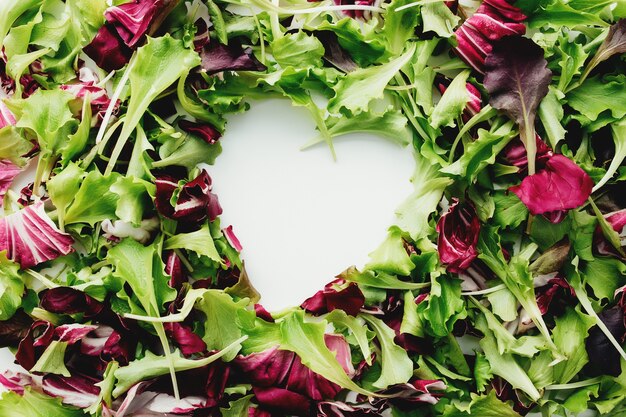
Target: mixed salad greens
499	291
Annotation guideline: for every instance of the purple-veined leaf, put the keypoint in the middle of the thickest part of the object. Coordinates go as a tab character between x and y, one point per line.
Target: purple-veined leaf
30	237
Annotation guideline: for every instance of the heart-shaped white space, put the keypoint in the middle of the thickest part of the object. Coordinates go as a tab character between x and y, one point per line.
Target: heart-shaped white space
301	217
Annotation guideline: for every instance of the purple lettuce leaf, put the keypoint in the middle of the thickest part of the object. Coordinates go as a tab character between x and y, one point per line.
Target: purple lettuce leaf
410	395
349	299
517	79
107	50
283	401
30	237
34	343
204	131
561	185
232	57
339	409
458	232
604	359
233	240
174	268
195	201
515	153
557	290
183	337
66	300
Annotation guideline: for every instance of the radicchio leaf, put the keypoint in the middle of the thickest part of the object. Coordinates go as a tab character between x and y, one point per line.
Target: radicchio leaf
66	300
283	401
8	171
183	337
77	390
493	20
349	299
458	232
411	394
232	57
515	153
204	131
561	185
517	79
30	237
195	201
107	50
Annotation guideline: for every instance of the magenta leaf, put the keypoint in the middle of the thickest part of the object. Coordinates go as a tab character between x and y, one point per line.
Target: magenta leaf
283	401
8	171
183	337
517	79
561	185
493	20
458	232
30	237
515	153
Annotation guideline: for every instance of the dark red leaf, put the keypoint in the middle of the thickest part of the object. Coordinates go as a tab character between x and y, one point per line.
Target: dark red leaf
66	300
204	131
217	58
458	236
349	299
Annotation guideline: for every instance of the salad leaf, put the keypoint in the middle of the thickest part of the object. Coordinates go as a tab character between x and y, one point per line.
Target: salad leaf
619	138
391	256
151	366
11	287
395	362
452	102
487	405
356	90
220	333
34	404
298	49
517	79
156	66
614	43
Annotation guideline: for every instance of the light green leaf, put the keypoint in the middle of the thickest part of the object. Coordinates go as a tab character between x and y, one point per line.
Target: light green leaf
63	188
479	154
604	275
33	404
570	331
438	17
452	103
391	256
396	366
11	287
551	114
10	10
13	145
152	366
412	216
481	405
200	241
154	67
340	319
298	50
134	199
590	98
86	208
52	361
355	91
445	305
399	25
220	332
307	341
192	152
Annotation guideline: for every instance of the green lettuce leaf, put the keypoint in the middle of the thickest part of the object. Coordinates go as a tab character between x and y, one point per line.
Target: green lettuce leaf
155	67
220	332
34	404
298	50
396	366
391	256
481	405
11	287
356	90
